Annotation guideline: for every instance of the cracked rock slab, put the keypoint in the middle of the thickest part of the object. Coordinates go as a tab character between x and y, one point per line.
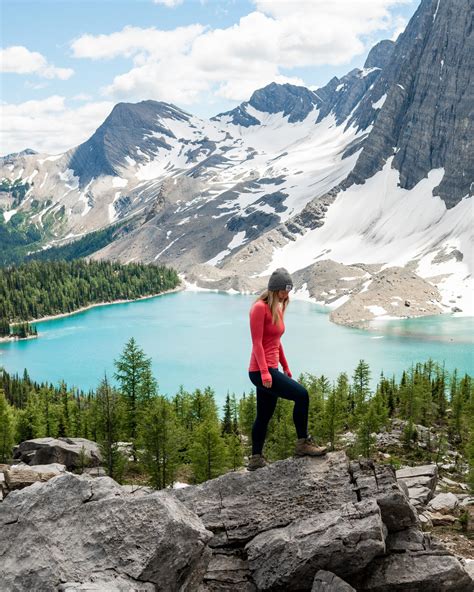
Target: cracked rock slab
378	481
415	572
344	541
239	505
73	526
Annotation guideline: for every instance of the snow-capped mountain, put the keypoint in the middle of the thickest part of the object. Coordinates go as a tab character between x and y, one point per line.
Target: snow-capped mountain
372	171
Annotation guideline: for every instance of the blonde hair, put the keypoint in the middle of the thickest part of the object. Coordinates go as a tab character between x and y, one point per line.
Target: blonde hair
271	298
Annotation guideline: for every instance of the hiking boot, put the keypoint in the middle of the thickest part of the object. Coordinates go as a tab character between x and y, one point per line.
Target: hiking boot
307	447
256	461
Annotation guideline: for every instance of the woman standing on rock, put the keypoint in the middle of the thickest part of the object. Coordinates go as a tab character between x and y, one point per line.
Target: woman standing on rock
266	327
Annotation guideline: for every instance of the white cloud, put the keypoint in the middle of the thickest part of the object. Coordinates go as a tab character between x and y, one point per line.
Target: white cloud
20	60
137	43
49	125
169	3
189	63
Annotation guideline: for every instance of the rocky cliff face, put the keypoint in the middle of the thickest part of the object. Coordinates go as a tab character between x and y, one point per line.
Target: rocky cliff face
279	528
425	98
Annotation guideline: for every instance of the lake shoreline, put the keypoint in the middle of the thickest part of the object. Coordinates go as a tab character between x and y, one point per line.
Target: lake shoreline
89	306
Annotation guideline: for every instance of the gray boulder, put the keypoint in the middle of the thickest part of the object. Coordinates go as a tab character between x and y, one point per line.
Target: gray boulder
71	452
90	532
444	503
421	482
343	540
415	572
325	581
420	472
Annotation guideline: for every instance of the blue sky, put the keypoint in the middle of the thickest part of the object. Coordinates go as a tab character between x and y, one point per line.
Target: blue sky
65	63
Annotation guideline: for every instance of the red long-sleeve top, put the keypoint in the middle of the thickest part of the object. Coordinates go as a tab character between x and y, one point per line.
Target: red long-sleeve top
267	350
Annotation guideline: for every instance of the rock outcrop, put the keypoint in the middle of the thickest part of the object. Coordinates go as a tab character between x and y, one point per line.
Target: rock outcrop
305	524
71	452
420	482
79	531
392	293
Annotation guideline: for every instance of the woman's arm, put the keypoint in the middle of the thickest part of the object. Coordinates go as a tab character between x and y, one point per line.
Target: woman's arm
283	362
257	320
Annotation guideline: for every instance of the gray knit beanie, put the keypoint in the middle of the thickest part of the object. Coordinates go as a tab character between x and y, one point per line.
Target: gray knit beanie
280	280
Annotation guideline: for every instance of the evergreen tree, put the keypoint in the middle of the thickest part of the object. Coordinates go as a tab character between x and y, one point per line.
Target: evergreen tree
235	451
109	429
360	387
160	441
7	439
227	427
234	408
439	392
148	387
457	422
335	410
281	436
133	369
64	425
367	427
208	451
247	413
29	421
4	327
318	389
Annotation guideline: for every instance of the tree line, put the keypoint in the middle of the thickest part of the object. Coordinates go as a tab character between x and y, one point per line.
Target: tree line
186	437
41	288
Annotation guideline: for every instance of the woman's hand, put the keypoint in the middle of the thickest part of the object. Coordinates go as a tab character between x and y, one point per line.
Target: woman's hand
287	372
267	383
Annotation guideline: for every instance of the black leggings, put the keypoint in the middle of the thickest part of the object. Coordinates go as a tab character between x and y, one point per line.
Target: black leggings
287	388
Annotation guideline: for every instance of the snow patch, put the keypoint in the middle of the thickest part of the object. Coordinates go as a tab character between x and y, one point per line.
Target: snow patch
380	102
50	158
70	181
366	71
238	240
44	180
7	215
119	182
338	302
376	310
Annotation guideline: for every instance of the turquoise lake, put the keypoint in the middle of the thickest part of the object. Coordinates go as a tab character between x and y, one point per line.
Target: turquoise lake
196	339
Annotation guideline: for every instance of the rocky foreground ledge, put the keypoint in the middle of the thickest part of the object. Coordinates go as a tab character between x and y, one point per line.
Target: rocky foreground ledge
307	524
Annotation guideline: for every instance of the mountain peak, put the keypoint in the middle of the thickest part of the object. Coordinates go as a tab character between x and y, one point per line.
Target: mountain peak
14	155
294	102
380	54
128	126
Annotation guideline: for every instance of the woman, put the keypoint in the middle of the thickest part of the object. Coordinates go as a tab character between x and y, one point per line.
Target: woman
266	328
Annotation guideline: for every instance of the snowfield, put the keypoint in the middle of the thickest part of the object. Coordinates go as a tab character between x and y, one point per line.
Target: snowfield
379	222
